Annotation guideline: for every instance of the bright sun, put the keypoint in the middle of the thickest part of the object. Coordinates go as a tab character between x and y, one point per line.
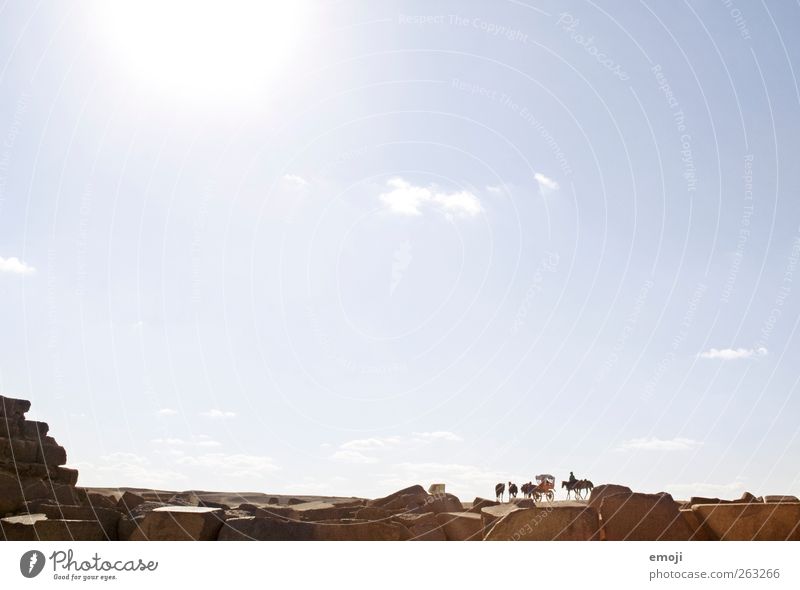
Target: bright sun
202	48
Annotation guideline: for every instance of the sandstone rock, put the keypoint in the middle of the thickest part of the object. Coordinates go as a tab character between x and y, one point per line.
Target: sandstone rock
550	523
491	514
108	519
601	491
268	529
129	501
423	527
372	513
50	452
37	527
178	523
751	521
269	511
699	531
523	502
13	408
256	528
642	517
273	500
461	526
33	430
292	501
319	511
355	530
63	475
780	499
480	503
100	500
11	498
18	450
443	503
400	499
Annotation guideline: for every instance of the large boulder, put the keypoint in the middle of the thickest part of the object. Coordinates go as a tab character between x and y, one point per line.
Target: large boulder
321	510
270	511
491	514
751	521
479	504
14	450
411	499
178	523
11	498
108	519
699	531
38	527
550	523
461	526
423	527
606	489
256	528
781	499
642	517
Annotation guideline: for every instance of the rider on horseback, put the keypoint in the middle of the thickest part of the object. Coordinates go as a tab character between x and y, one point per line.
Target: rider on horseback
572	478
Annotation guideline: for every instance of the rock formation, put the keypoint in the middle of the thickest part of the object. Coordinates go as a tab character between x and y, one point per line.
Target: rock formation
39	500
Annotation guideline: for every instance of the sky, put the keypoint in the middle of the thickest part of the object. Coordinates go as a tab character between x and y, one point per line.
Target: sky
345	247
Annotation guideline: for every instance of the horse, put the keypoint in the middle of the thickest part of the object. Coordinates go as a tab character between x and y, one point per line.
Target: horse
527	489
499	490
512	490
578	487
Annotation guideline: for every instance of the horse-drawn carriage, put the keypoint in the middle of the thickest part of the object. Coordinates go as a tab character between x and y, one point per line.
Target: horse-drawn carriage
542	489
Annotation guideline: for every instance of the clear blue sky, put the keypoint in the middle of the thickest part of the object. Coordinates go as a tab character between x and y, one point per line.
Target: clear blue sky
351	246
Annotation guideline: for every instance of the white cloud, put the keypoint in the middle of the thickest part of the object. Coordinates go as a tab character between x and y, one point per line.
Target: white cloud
295	181
166	412
216	413
732	354
15	266
497	189
233	465
405	198
371	450
126	469
658	444
546	185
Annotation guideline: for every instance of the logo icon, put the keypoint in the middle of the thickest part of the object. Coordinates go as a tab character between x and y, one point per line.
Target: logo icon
31	563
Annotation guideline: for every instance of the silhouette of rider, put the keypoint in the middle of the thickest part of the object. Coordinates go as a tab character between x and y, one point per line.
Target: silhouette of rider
572	478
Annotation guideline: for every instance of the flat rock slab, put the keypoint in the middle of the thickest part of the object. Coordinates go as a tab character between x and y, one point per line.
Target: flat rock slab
780	499
751	522
461	526
552	523
178	523
642	517
491	514
37	527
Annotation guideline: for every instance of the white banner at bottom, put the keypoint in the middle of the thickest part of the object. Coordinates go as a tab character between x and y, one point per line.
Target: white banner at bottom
356	565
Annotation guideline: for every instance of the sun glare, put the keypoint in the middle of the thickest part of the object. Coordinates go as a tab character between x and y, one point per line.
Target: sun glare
203	49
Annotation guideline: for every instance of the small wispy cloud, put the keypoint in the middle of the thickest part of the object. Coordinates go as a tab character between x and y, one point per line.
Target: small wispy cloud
371	450
200	440
295	180
546	185
404	198
659	444
732	354
216	413
166	412
14	265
